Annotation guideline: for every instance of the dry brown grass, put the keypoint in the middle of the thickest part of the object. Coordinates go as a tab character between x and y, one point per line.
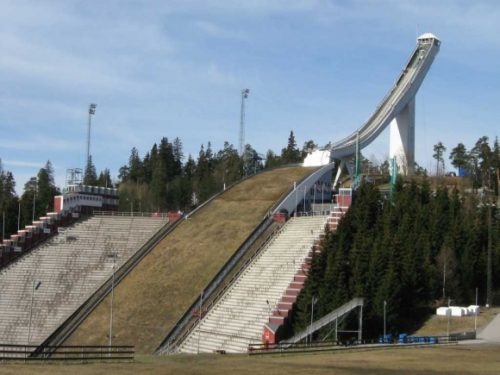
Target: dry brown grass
150	300
438	325
459	359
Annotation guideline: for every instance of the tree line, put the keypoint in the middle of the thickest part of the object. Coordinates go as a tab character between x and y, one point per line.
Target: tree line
481	163
37	198
413	250
160	180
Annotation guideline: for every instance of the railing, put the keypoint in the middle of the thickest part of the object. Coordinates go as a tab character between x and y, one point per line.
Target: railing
77	353
159	215
349	344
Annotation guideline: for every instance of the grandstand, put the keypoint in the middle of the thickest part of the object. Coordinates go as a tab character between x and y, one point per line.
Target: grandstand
238	319
43	288
151	299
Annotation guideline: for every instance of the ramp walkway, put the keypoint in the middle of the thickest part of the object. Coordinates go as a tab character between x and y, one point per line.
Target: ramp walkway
397	99
329	318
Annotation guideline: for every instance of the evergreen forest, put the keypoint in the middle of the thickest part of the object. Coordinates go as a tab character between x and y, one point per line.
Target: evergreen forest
414	250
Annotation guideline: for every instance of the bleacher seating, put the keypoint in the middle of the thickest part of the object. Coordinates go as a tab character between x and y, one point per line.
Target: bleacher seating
238	318
70	267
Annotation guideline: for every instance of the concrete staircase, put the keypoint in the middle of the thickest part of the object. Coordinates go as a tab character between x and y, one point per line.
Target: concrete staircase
54	279
238	318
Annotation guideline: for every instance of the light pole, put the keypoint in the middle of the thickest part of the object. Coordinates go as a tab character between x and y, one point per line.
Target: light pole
313	302
489	276
385	311
3	226
475	315
304	198
35	186
314	197
19	215
199	321
296	199
36	285
92	108
110	342
244	95
448	325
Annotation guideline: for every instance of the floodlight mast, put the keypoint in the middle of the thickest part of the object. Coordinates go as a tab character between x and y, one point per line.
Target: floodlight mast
244	95
92	108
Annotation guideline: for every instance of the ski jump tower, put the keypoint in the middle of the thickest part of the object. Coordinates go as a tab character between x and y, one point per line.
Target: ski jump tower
397	109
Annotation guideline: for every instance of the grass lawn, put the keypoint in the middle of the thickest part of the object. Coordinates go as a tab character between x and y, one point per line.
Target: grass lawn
151	299
456	359
438	325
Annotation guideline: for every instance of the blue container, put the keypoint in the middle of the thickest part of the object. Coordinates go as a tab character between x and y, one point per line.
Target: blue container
403	338
387	339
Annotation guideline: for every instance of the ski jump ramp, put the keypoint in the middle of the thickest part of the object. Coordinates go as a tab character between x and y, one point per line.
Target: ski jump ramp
397	109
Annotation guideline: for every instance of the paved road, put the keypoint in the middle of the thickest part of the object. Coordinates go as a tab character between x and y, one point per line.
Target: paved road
491	333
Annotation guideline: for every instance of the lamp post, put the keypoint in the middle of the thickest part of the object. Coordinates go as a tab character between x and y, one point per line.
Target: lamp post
385	310
92	108
448	325
199	321
35	186
18	215
36	285
489	276
110	342
313	302
475	315
304	209
296	201
244	95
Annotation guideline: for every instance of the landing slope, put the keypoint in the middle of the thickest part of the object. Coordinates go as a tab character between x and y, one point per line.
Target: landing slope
150	300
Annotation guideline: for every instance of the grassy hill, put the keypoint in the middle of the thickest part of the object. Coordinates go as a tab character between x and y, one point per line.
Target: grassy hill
151	299
457	359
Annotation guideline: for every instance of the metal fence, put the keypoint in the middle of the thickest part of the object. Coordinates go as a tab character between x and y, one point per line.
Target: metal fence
349	344
33	353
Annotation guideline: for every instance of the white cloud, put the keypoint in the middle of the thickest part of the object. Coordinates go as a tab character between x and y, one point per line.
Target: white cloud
22	163
37	142
213	30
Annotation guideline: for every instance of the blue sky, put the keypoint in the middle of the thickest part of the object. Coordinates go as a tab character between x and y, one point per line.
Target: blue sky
176	69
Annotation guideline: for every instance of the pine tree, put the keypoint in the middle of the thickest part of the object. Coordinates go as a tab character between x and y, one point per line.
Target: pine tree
459	157
135	167
46	189
104	179
291	154
90	174
8	202
272	160
439	150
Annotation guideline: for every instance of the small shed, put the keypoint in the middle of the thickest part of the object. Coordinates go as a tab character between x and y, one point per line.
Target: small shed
442	311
